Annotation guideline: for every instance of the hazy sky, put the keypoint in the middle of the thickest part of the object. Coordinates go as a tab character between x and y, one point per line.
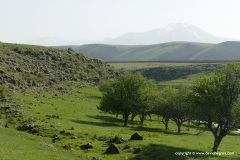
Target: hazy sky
23	20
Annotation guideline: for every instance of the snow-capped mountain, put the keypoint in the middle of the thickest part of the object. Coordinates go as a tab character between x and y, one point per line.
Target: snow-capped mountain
170	33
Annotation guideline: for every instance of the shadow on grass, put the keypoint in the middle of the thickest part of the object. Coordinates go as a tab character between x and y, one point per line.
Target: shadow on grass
160	151
157	130
104	121
192	126
102	124
109	119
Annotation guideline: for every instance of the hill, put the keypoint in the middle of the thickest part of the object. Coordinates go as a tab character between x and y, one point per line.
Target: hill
173	51
24	65
48	111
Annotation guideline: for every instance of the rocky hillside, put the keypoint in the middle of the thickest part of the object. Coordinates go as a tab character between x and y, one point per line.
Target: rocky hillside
24	65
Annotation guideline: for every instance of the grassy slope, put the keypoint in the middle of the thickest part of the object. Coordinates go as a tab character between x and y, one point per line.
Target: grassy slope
174	51
20	145
165	51
224	51
78	110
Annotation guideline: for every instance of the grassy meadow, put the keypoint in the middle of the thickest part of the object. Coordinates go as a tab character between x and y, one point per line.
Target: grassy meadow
141	65
75	112
179	81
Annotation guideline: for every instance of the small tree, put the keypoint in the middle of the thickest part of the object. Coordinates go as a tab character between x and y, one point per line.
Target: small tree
147	100
215	101
130	93
173	105
163	108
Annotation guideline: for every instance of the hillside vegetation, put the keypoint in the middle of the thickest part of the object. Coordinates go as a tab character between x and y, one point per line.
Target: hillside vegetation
48	110
23	66
173	51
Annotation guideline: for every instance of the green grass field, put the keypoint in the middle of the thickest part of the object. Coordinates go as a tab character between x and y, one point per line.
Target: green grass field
78	115
141	65
185	80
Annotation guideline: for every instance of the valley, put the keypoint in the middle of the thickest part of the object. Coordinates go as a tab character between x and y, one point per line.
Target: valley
49	109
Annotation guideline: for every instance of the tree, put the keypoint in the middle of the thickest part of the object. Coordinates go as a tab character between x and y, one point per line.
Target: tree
215	101
173	105
163	108
129	94
147	100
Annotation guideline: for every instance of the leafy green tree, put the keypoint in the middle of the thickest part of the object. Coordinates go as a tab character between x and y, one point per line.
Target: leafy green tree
180	111
215	101
173	105
129	94
165	101
147	100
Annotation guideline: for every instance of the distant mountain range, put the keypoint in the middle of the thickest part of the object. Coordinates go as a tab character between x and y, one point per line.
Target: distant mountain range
170	33
172	51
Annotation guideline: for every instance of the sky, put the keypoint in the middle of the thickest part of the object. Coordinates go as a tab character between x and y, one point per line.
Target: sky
23	20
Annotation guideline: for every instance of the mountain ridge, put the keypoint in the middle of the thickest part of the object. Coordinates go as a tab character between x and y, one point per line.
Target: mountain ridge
169	33
172	51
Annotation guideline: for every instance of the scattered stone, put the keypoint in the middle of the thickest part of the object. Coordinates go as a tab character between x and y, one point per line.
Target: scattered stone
52	126
87	146
67	147
120	140
62	131
116	140
74	137
112	149
127	146
136	136
19	69
46	144
137	150
140	157
113	140
52	116
56	138
81	137
32	128
97	158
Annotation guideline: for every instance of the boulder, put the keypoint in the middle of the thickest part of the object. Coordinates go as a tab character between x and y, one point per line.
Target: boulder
112	149
127	146
87	146
136	136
